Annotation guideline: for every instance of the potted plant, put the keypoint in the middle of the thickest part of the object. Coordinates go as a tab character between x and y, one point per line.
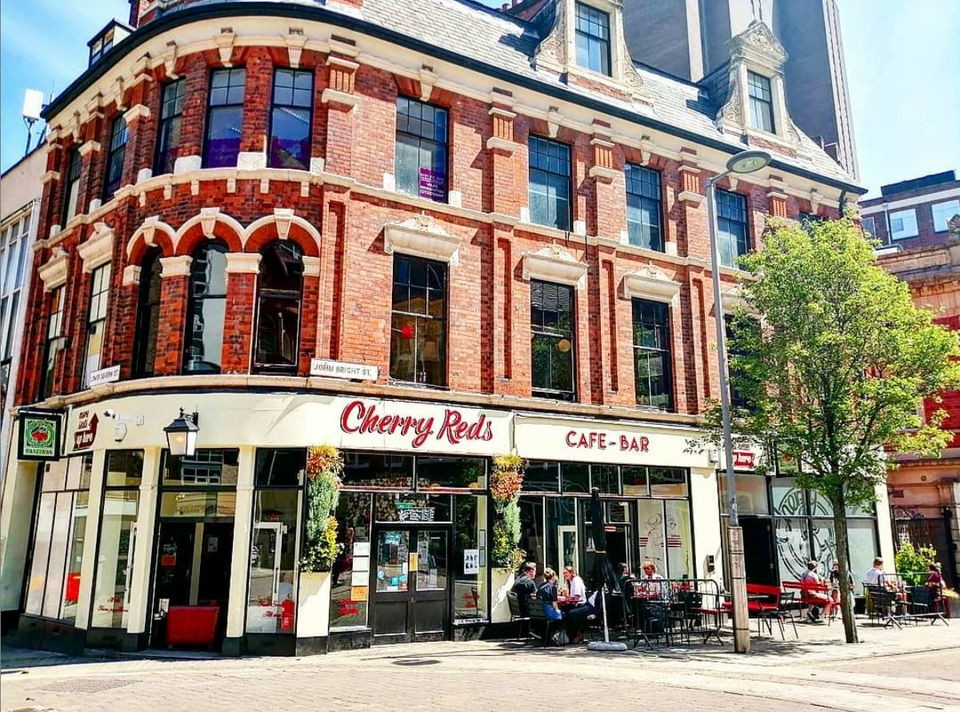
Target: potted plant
320	547
506	556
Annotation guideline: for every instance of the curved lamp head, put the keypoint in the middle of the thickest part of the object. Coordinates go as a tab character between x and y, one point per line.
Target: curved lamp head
748	161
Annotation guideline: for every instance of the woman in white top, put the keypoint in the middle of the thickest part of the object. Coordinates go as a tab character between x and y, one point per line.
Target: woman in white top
575	586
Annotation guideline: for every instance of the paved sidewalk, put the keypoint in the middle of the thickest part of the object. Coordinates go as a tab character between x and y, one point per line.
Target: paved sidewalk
893	671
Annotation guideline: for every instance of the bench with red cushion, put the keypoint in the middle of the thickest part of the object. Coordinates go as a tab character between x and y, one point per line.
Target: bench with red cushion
192	625
807	589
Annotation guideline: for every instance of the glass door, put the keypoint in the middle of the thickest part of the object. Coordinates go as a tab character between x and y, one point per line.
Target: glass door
411	584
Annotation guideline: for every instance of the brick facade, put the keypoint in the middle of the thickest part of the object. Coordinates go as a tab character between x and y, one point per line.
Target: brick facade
344	198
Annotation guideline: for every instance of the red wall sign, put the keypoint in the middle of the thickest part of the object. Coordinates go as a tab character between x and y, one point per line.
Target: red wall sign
744	458
454	427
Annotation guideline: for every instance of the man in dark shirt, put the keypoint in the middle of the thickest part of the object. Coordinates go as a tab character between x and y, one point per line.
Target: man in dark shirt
626	580
525	587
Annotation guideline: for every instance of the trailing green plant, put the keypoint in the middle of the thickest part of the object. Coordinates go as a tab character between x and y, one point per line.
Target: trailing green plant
322	493
320	553
506	481
913	562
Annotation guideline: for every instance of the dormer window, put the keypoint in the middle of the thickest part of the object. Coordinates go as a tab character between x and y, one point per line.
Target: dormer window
105	39
593	39
761	102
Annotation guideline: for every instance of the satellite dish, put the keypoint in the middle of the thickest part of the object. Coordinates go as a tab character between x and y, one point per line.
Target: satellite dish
32	105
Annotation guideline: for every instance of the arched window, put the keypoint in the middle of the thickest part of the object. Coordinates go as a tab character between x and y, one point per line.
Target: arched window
278	307
203	342
148	315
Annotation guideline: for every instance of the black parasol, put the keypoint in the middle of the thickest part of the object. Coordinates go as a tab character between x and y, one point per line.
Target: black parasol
603	571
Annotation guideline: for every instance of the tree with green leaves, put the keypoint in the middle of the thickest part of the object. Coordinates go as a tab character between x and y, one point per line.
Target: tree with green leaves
831	362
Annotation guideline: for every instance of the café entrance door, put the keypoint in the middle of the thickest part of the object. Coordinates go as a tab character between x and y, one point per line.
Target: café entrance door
410	582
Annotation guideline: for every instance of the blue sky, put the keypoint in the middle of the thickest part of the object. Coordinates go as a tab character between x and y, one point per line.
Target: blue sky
902	62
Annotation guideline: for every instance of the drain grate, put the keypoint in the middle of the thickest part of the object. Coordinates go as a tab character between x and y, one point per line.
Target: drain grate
88	686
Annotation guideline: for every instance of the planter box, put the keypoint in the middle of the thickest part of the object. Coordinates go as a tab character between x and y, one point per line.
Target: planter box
313	605
501	581
952	609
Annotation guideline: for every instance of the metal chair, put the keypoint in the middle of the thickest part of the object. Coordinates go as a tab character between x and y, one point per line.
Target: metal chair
518	615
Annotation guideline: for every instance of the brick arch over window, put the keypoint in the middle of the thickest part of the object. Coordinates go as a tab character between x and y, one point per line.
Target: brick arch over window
153	233
283	224
210	224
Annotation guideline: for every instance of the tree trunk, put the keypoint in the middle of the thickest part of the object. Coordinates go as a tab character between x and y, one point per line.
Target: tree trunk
843	556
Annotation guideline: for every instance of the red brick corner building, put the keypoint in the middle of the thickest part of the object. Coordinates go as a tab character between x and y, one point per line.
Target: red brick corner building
427	233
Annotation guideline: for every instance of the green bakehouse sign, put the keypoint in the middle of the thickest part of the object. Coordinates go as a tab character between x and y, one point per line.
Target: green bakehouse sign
40	436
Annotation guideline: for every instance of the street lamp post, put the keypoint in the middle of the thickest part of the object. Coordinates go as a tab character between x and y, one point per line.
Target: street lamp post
743	162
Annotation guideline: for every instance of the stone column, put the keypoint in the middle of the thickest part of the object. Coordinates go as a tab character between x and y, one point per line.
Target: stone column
240	561
88	564
139	616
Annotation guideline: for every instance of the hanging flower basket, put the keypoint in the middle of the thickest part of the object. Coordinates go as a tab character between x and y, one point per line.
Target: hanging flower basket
322	493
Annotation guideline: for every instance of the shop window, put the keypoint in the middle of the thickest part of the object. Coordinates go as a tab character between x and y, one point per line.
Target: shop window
206	309
201	504
793	547
148	315
279	291
54	343
290	119
668	482
115	157
470	594
751	494
788	498
574	477
117	542
593	38
652	533
679	540
96	321
71	187
606	478
451	473
377	470
761	102
862	544
532	531
552	340
644	208
418	324
412	508
280	467
562	544
272	586
421	152
651	354
733	236
349	580
206	468
634	481
549	183
170	127
53	587
541	477
224	118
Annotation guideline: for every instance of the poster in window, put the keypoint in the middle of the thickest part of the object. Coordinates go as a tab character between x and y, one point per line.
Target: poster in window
432	185
471	561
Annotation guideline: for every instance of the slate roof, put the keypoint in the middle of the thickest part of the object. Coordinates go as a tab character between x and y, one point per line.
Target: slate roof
487	38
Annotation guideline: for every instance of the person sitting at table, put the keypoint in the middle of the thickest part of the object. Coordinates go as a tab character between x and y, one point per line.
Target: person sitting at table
626	580
525	587
576	589
812	578
547	595
835	586
873	575
578	616
650	584
935	584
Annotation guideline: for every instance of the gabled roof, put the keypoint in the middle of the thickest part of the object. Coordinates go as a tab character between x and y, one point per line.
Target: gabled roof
492	42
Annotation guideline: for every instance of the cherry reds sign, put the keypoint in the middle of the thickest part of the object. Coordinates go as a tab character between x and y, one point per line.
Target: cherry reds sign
419	426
